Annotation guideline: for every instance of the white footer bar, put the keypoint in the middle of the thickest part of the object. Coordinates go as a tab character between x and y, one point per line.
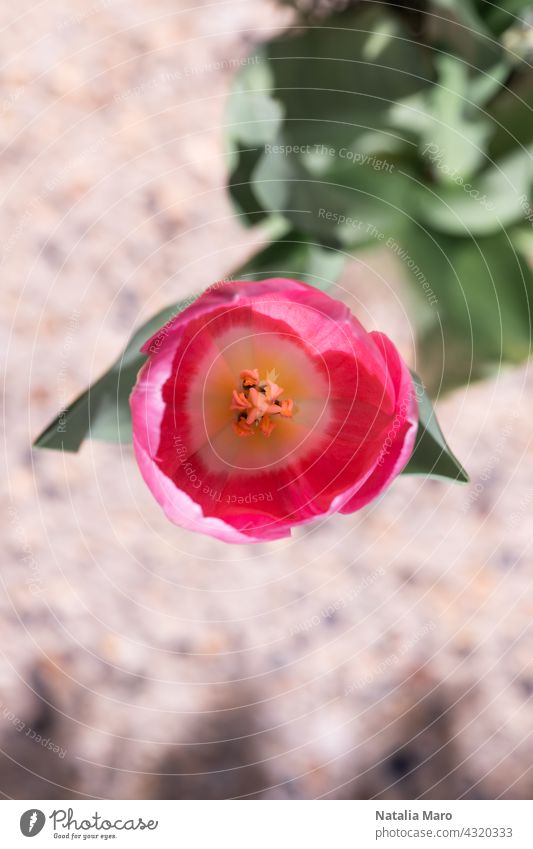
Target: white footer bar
268	824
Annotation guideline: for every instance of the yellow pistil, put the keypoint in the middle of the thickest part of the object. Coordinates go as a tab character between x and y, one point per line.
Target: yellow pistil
256	402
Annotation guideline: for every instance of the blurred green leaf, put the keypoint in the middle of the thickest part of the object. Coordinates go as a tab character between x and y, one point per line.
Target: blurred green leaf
459	27
333	86
330	86
482	315
434	95
355	199
241	188
448	120
483	205
253	117
432	454
294	255
511	14
511	113
455	127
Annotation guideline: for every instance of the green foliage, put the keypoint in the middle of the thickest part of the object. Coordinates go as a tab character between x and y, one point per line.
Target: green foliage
334	86
293	255
384	122
484	289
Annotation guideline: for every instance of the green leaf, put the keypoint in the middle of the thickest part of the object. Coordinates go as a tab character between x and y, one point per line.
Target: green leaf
103	411
432	454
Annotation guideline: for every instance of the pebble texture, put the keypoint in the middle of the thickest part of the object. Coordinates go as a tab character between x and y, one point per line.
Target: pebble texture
385	654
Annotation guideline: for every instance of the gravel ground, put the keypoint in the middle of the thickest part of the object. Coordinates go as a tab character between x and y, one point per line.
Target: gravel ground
382	654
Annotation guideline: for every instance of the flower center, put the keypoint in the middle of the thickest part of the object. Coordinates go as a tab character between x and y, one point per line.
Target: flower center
256	402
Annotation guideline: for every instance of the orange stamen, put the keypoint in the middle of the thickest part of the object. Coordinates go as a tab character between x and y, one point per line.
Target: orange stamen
266	426
239	401
242	428
249	377
257	402
287	407
273	390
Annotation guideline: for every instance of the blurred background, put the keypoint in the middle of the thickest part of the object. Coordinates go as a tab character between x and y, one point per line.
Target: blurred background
381	655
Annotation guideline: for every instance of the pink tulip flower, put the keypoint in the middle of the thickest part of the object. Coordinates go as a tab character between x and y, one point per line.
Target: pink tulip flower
266	405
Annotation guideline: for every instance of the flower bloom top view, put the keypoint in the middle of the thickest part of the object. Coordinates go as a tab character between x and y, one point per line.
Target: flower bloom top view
265	405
